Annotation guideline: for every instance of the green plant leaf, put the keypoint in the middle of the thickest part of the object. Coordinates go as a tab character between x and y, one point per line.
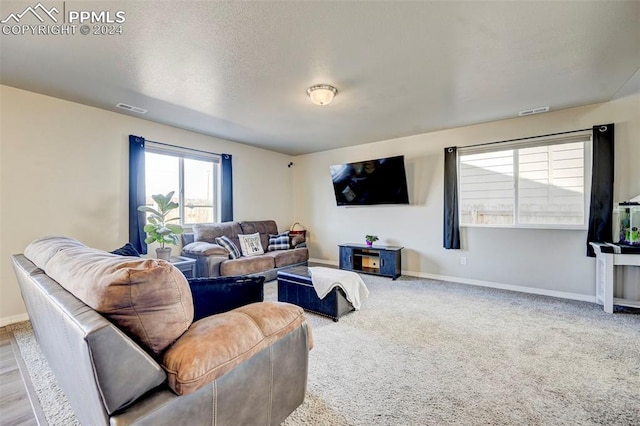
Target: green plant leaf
176	229
163	230
157	228
148	209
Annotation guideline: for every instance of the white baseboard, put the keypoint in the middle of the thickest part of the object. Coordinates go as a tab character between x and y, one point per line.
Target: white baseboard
511	287
13	319
480	283
325	262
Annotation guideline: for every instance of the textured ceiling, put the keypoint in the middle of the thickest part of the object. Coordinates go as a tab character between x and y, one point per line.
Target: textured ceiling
239	70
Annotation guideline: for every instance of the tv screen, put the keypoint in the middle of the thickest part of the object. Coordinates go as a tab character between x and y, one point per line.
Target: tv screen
381	181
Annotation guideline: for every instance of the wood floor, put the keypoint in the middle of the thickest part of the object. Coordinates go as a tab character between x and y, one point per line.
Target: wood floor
15	407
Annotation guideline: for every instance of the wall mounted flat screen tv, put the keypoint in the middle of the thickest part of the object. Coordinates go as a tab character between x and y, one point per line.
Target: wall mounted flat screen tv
380	181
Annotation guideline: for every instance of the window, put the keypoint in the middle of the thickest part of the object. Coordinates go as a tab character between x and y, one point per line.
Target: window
538	184
194	178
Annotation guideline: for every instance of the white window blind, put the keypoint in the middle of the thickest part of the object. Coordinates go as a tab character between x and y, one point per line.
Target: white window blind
539	183
195	178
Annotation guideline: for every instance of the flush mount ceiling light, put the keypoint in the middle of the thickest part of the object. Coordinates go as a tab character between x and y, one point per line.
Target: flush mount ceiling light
322	94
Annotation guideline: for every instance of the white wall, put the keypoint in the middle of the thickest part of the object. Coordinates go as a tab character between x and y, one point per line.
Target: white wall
64	170
543	261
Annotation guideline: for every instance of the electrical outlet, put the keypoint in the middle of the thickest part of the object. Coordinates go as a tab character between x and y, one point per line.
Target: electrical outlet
463	260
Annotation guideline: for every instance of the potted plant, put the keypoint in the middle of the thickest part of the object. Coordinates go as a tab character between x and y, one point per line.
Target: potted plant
371	239
158	228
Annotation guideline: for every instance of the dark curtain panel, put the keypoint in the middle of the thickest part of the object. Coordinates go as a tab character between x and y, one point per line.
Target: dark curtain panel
136	193
451	229
601	209
227	189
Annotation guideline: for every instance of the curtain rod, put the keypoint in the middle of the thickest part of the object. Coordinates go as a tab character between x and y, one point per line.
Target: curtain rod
182	147
522	139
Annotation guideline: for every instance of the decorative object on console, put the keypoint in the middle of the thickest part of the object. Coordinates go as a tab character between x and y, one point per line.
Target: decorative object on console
371	239
158	228
628	223
279	241
225	242
250	244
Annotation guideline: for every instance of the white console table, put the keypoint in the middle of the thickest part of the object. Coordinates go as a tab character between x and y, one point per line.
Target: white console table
605	264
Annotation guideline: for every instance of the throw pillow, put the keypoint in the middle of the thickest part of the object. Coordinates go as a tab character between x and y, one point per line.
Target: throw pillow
148	299
127	250
250	244
225	242
279	241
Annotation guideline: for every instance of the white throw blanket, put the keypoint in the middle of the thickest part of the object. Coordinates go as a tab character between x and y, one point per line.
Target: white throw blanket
325	279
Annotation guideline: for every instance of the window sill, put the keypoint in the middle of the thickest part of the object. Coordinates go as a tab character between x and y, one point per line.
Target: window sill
549	227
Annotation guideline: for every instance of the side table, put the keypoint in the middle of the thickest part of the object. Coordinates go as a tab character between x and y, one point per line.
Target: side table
186	265
375	260
608	257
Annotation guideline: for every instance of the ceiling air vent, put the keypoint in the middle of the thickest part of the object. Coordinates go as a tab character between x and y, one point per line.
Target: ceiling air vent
131	108
533	111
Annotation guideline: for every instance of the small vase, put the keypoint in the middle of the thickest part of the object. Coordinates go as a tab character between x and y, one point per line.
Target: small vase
369	243
163	253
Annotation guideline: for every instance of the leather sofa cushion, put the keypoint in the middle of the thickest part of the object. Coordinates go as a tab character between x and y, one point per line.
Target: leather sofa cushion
202	248
247	265
214	345
208	232
43	249
148	299
288	257
263	227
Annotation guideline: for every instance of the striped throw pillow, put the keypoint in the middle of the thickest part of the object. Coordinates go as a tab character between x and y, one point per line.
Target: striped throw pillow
225	242
279	242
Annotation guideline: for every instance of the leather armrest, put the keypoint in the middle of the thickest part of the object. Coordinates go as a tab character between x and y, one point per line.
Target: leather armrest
221	294
202	248
217	344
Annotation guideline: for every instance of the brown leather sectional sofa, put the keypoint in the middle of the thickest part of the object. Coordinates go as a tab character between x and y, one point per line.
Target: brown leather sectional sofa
213	260
118	333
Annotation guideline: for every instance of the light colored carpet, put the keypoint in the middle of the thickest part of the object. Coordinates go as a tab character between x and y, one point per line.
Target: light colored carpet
425	352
